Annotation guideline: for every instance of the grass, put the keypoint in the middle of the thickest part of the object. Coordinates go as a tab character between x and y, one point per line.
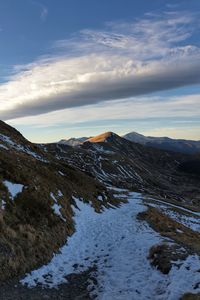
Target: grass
162	255
172	229
190	296
30	231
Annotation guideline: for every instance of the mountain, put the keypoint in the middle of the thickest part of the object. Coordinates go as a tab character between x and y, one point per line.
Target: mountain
104	137
136	138
37	194
73	141
78	141
165	143
80	215
117	161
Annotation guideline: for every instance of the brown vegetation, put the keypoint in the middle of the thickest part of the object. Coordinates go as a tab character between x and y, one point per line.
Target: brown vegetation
162	255
190	296
30	231
172	229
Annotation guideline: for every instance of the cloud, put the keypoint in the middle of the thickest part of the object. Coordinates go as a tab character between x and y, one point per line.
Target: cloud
178	108
148	115
43	10
122	61
44	13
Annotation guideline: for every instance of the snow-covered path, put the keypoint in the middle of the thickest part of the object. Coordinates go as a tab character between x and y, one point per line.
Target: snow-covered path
118	244
195	213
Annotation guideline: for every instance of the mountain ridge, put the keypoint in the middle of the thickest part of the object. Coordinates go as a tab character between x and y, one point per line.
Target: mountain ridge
36	197
165	143
118	161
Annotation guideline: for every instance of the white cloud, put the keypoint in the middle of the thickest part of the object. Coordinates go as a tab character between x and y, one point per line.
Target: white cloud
43	10
157	116
133	109
121	61
44	13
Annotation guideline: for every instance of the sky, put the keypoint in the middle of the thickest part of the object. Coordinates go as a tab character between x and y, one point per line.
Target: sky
79	68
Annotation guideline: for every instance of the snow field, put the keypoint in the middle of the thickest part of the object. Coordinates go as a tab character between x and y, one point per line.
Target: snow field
118	244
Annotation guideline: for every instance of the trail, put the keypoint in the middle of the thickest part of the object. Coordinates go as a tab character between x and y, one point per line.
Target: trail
195	213
117	243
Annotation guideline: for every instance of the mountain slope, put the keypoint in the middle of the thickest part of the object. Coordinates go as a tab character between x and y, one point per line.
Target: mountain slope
101	138
73	141
36	194
165	143
44	192
117	161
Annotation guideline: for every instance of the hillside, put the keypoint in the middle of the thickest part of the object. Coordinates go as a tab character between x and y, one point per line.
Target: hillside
117	161
69	216
36	197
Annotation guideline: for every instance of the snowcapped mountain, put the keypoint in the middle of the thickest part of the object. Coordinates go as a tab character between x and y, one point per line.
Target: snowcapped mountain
165	143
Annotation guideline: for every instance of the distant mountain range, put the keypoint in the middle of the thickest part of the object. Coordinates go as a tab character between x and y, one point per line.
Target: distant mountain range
177	145
165	143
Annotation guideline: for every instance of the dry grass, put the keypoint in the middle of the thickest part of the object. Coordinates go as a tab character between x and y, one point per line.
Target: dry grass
30	232
162	255
172	229
189	296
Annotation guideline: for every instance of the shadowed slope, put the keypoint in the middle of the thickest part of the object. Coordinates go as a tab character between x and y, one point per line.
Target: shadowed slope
36	194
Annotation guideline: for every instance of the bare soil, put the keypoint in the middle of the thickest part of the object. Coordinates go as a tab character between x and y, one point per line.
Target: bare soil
75	289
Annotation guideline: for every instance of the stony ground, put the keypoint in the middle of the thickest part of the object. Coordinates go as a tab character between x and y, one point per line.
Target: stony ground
76	289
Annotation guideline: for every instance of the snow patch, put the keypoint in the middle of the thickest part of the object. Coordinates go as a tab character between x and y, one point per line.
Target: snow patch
13	188
101	149
3	147
191	222
100	198
3	204
19	147
61	173
57	207
188	221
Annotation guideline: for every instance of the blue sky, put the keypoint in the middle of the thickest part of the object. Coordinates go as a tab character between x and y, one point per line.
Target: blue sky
78	68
